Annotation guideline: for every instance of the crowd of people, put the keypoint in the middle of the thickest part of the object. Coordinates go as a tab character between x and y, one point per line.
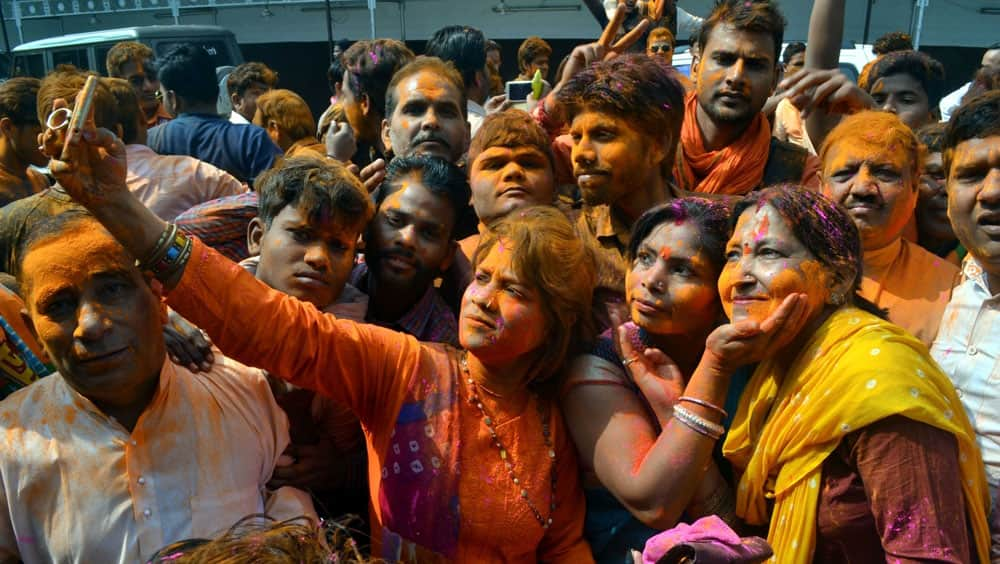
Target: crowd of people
747	315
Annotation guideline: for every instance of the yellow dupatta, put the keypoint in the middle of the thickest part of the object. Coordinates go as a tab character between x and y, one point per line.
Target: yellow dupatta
855	370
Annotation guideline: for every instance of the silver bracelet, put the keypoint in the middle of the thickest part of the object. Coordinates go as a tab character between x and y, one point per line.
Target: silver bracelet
698	423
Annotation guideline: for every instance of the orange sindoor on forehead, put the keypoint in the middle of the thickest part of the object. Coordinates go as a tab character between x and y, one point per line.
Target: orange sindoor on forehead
73	255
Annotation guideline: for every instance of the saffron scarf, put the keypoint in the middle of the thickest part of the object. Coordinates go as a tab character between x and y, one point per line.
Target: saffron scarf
855	370
732	170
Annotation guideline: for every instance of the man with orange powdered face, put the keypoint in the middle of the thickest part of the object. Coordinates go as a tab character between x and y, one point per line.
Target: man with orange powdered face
871	165
123	451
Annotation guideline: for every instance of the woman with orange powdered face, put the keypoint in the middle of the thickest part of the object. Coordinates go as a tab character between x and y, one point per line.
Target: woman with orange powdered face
645	464
469	458
850	443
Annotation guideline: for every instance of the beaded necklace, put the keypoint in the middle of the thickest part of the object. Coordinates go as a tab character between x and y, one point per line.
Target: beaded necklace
545	416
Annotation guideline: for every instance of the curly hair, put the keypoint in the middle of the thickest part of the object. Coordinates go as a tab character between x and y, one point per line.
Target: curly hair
893	41
246	74
124	52
530	49
19	100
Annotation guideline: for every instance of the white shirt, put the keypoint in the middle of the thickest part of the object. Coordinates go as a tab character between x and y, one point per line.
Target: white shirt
476	114
76	487
236	117
967	348
169	185
952	101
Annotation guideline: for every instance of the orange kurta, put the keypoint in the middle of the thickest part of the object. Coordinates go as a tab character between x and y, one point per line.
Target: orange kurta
438	488
912	283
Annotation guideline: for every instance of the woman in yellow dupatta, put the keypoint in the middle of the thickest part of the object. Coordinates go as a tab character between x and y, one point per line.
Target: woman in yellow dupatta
845	370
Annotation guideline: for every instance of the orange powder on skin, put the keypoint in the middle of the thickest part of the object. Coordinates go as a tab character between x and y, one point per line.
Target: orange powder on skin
809	277
54	263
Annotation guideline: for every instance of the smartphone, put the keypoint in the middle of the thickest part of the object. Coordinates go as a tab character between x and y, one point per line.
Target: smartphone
80	111
518	90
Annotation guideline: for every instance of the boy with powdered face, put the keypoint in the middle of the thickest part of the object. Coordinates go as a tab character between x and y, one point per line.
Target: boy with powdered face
510	166
311	213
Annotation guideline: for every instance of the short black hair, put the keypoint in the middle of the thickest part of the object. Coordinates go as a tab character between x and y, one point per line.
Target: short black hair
711	217
461	45
926	70
322	187
19	100
335	74
976	119
891	42
440	177
932	136
792	50
188	70
757	16
370	65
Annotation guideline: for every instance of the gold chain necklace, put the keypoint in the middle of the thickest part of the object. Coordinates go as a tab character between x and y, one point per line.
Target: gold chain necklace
505	456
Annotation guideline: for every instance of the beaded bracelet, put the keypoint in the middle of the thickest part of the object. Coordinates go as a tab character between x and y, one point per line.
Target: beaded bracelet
698	424
171	258
159	249
704	404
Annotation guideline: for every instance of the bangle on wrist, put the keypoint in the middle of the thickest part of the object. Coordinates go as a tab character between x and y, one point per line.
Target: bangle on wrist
697	423
704	404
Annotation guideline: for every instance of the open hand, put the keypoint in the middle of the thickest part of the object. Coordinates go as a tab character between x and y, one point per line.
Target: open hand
828	90
734	345
657	376
187	345
94	169
497	104
340	142
606	47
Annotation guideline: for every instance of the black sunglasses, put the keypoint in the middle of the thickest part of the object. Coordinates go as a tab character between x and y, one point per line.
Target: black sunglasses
659	48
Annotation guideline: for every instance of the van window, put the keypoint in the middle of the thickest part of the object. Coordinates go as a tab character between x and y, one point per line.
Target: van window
101	57
217	49
75	57
29	65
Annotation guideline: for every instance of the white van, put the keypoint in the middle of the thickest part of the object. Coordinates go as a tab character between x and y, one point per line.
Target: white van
853	58
89	50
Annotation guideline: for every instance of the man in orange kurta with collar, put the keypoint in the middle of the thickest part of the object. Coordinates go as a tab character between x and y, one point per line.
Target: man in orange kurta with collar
871	165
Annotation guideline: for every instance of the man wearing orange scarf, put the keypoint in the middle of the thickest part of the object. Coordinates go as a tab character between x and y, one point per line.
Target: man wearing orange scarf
726	143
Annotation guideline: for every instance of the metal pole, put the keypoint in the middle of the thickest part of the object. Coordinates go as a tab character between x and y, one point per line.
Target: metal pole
371	16
175	9
868	22
329	31
6	40
921	6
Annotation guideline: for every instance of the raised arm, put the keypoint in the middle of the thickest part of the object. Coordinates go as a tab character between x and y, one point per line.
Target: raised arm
361	366
654	473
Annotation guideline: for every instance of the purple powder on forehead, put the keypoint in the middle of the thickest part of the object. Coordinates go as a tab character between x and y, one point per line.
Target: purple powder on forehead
374	57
